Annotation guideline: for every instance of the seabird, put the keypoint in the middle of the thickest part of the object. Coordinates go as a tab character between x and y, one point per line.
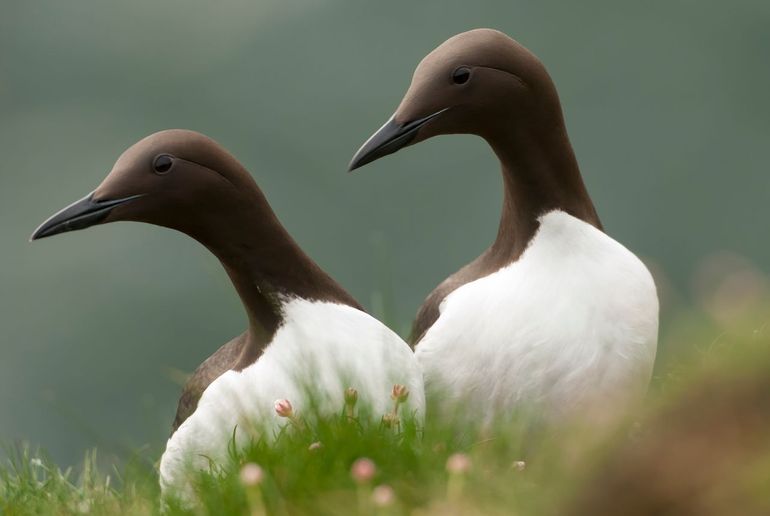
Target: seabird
555	313
307	337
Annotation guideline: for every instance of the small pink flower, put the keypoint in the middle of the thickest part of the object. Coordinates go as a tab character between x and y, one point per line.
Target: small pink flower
251	475
363	470
315	446
383	496
458	464
399	393
283	408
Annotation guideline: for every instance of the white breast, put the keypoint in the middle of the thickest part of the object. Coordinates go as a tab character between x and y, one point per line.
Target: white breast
572	324
320	350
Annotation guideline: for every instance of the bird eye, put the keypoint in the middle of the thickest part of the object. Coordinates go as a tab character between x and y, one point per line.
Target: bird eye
461	75
162	163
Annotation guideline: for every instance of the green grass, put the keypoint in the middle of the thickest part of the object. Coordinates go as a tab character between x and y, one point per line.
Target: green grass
700	446
300	479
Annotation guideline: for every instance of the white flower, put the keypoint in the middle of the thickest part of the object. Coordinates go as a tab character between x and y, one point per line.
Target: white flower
383	496
458	463
251	475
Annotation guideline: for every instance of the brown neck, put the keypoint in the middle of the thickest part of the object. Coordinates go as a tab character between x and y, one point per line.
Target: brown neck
540	174
264	263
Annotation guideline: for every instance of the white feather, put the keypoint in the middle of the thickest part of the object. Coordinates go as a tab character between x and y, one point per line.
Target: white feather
323	346
571	325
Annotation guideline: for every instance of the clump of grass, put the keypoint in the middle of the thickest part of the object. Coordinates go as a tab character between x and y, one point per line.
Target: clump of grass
699	447
350	465
30	483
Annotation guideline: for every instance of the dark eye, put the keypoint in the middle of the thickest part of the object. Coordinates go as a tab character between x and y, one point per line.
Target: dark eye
461	75
162	163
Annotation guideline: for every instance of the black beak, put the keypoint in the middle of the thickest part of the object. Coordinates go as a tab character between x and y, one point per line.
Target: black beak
390	138
79	215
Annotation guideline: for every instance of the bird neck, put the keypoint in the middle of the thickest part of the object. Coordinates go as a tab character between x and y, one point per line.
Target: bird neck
264	263
540	174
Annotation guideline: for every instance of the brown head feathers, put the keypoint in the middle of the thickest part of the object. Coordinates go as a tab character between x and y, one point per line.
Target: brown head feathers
186	181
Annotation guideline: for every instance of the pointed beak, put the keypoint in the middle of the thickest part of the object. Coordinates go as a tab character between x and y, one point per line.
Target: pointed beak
390	138
82	214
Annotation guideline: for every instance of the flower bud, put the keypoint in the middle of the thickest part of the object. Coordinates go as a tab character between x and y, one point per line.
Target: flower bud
399	393
363	470
351	396
283	408
390	420
316	446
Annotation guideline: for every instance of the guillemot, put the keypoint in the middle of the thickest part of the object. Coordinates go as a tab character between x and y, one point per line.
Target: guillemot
307	337
555	313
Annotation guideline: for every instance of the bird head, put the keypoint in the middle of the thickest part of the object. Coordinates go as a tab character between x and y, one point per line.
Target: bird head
478	82
170	178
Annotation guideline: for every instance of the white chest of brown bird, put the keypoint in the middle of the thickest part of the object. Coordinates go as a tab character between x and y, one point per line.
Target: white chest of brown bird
554	313
572	324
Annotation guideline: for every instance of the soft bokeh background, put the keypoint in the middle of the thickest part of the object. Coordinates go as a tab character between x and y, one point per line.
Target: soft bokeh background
666	103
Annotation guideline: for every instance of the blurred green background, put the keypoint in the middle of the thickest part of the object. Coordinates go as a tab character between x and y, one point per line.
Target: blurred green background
666	103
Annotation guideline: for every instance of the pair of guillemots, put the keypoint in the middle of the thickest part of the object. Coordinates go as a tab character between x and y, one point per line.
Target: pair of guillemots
554	315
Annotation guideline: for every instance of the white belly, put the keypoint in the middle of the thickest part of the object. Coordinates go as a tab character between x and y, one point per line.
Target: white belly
573	323
321	347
